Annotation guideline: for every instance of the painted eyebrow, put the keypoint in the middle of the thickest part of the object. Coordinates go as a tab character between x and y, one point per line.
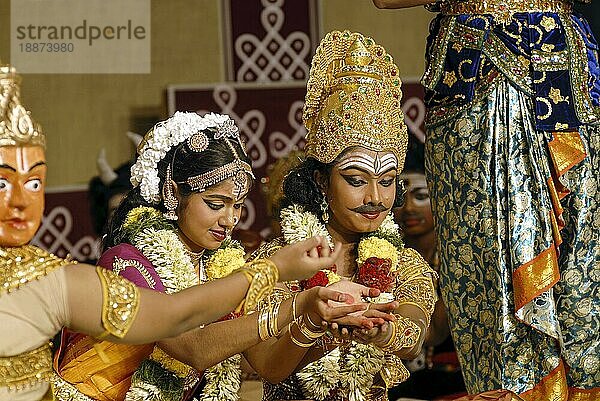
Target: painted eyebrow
8	167
226	198
221	197
38	164
367	172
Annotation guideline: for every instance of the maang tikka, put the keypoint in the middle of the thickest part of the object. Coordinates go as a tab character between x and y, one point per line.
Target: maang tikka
169	199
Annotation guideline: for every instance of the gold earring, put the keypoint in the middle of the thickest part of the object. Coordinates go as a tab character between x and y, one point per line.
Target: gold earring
169	199
324	210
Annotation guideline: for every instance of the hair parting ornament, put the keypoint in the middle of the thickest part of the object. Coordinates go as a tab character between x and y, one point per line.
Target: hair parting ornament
181	127
353	99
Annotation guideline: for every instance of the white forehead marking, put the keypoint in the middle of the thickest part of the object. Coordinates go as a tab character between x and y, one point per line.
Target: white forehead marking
374	165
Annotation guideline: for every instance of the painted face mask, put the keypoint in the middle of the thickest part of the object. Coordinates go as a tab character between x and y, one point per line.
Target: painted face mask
22	181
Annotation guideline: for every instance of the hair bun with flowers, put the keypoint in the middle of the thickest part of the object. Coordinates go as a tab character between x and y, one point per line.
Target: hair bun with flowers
167	134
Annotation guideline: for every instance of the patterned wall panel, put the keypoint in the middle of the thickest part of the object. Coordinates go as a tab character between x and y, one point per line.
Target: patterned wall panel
269	40
66	227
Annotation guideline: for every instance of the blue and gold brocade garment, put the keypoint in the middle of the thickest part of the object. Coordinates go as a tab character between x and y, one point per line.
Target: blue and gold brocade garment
513	132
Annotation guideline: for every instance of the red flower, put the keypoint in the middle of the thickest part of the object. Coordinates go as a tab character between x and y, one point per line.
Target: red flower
375	273
319	279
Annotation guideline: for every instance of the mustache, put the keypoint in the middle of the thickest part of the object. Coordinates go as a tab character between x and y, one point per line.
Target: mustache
370	209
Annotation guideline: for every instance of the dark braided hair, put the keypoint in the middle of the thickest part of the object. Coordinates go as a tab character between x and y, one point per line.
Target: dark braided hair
301	188
186	163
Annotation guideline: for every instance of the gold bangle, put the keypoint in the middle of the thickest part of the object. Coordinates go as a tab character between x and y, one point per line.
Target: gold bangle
315	326
406	335
273	319
307	332
262	275
294	315
263	328
296	341
392	338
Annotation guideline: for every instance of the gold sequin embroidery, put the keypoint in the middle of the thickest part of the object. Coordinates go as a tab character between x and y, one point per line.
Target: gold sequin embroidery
121	301
20	265
26	369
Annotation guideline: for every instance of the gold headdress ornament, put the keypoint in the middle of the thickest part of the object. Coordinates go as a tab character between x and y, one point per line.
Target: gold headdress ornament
17	127
353	99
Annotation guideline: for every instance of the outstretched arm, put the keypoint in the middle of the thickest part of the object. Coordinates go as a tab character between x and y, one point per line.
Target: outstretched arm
161	316
401	3
203	348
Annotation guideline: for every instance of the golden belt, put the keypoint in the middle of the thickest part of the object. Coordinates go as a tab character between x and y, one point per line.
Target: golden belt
26	369
504	7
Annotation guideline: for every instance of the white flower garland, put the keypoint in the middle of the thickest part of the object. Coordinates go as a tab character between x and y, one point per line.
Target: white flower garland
165	135
166	252
298	225
354	371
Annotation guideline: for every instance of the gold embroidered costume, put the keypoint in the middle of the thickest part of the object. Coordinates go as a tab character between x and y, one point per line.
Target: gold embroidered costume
33	287
352	100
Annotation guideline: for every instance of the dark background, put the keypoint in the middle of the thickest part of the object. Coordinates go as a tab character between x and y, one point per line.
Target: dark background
592	14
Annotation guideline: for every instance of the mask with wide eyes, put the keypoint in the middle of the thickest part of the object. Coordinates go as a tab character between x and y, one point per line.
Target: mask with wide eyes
34	185
5	185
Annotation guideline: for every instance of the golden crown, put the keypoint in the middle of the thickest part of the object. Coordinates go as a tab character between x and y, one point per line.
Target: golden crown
17	127
353	99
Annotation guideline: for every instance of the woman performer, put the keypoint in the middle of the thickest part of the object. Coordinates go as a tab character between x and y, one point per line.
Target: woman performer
513	97
171	232
345	190
40	292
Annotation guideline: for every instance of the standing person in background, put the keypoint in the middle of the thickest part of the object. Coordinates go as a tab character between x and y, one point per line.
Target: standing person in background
436	371
513	97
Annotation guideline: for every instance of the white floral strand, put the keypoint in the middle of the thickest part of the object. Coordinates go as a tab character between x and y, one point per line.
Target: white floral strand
388	226
165	135
298	225
362	363
320	377
166	252
223	380
354	375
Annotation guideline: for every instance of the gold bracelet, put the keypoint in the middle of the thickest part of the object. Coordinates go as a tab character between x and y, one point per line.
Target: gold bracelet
273	319
315	326
405	335
263	328
392	338
296	341
307	332
262	274
294	315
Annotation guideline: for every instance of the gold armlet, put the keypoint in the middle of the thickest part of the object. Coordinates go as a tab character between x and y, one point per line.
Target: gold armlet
262	275
419	292
120	303
405	334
